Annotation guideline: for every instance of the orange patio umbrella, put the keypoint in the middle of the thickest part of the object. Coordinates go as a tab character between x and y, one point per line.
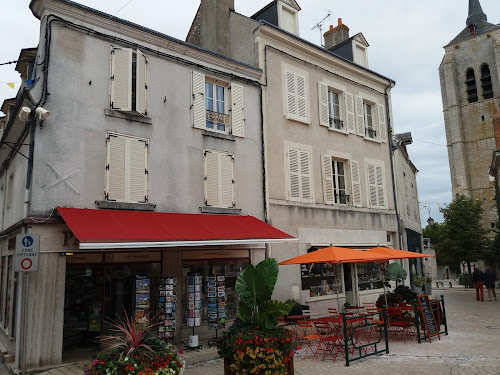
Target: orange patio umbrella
334	255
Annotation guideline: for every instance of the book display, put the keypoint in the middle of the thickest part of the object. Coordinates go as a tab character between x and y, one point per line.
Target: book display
167	307
216	302
193	300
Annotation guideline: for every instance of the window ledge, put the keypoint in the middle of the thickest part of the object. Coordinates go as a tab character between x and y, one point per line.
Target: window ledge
345	132
298	119
128	116
125	206
323	298
371	291
373	140
218	210
227	137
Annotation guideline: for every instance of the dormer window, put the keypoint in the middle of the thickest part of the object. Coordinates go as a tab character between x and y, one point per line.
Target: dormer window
288	18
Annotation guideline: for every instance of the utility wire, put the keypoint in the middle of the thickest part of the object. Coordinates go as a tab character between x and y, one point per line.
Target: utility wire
432	143
119	10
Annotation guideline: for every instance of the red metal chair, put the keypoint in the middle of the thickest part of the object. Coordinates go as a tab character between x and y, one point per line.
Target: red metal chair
307	335
329	342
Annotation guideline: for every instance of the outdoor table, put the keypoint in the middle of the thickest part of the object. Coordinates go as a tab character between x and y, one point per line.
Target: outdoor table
297	317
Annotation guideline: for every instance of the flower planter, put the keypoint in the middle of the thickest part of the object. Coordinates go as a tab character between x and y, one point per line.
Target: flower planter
227	371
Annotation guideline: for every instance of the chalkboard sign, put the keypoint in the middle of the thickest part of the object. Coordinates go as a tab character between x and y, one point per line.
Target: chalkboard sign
428	316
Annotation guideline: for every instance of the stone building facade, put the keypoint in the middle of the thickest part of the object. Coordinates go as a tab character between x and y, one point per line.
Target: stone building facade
470	75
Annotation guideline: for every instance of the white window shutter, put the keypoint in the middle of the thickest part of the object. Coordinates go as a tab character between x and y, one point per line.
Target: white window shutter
291	94
326	165
302	105
293	171
349	109
138	171
121	79
141	87
324	114
382	123
198	100
116	168
372	185
237	110
226	181
379	171
360	117
211	179
305	176
356	184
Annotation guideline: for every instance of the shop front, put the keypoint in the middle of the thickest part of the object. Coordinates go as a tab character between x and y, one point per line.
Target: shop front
187	284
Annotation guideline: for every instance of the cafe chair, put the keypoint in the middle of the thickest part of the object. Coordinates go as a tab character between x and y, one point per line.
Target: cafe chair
333	312
309	337
329	343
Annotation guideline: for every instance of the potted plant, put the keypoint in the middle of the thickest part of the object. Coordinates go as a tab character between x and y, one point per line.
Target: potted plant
419	281
428	284
255	343
133	350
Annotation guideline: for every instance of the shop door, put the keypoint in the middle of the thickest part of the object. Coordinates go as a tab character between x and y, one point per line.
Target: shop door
351	290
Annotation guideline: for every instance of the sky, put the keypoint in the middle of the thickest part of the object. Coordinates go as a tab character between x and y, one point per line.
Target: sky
406	44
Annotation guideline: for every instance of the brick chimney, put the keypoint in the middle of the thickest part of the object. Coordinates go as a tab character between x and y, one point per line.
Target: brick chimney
496	128
336	35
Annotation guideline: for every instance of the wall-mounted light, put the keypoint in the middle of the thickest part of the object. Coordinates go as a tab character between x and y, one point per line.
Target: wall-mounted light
24	113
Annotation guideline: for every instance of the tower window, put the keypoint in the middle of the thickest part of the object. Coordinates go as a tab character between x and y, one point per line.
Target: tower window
486	82
470	81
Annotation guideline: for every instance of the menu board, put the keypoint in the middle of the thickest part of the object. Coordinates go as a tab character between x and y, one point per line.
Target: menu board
428	316
167	307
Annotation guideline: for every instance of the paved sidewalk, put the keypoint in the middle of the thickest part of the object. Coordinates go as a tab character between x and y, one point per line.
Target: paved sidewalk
472	347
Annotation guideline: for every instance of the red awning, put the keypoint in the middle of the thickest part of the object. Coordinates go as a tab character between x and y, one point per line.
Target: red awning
113	229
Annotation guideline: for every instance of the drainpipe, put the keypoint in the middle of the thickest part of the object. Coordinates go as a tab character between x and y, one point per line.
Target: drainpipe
20	360
391	156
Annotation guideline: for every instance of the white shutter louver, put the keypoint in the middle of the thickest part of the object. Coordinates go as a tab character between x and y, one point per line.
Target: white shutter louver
372	185
115	181
291	94
141	88
237	110
211	179
301	97
121	79
356	185
198	100
138	171
382	123
324	114
351	119
293	170
226	181
360	118
305	176
326	164
379	171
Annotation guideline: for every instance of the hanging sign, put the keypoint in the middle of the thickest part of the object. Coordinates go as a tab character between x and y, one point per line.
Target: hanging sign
27	252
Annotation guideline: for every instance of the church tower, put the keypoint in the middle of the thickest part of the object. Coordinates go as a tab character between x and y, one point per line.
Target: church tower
470	89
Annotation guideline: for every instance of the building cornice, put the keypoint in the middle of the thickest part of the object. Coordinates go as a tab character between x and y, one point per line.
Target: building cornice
305	48
137	34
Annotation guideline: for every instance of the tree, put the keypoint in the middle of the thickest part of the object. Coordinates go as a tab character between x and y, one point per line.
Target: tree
435	232
464	238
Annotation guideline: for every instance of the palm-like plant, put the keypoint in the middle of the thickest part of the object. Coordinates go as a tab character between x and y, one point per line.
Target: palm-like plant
128	337
255	286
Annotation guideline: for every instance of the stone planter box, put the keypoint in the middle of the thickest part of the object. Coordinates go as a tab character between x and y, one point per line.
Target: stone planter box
227	363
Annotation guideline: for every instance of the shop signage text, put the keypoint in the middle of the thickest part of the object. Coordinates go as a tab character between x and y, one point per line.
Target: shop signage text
27	252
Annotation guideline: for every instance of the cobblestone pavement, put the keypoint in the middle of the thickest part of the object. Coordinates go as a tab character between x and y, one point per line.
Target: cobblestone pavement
472	347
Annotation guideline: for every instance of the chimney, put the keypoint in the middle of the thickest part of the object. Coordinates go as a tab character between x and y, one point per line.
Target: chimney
336	35
214	25
496	128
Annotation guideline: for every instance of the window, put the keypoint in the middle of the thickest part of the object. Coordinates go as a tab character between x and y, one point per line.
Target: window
370	132
296	96
126	169
375	172
336	187
7	289
212	101
369	276
287	17
128	80
334	111
486	82
321	279
335	107
219	179
470	81
299	175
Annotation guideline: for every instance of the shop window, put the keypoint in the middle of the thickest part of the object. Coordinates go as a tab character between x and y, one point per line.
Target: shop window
321	279
486	84
470	81
369	276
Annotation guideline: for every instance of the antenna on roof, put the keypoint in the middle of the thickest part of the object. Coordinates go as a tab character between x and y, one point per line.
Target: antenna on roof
319	25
